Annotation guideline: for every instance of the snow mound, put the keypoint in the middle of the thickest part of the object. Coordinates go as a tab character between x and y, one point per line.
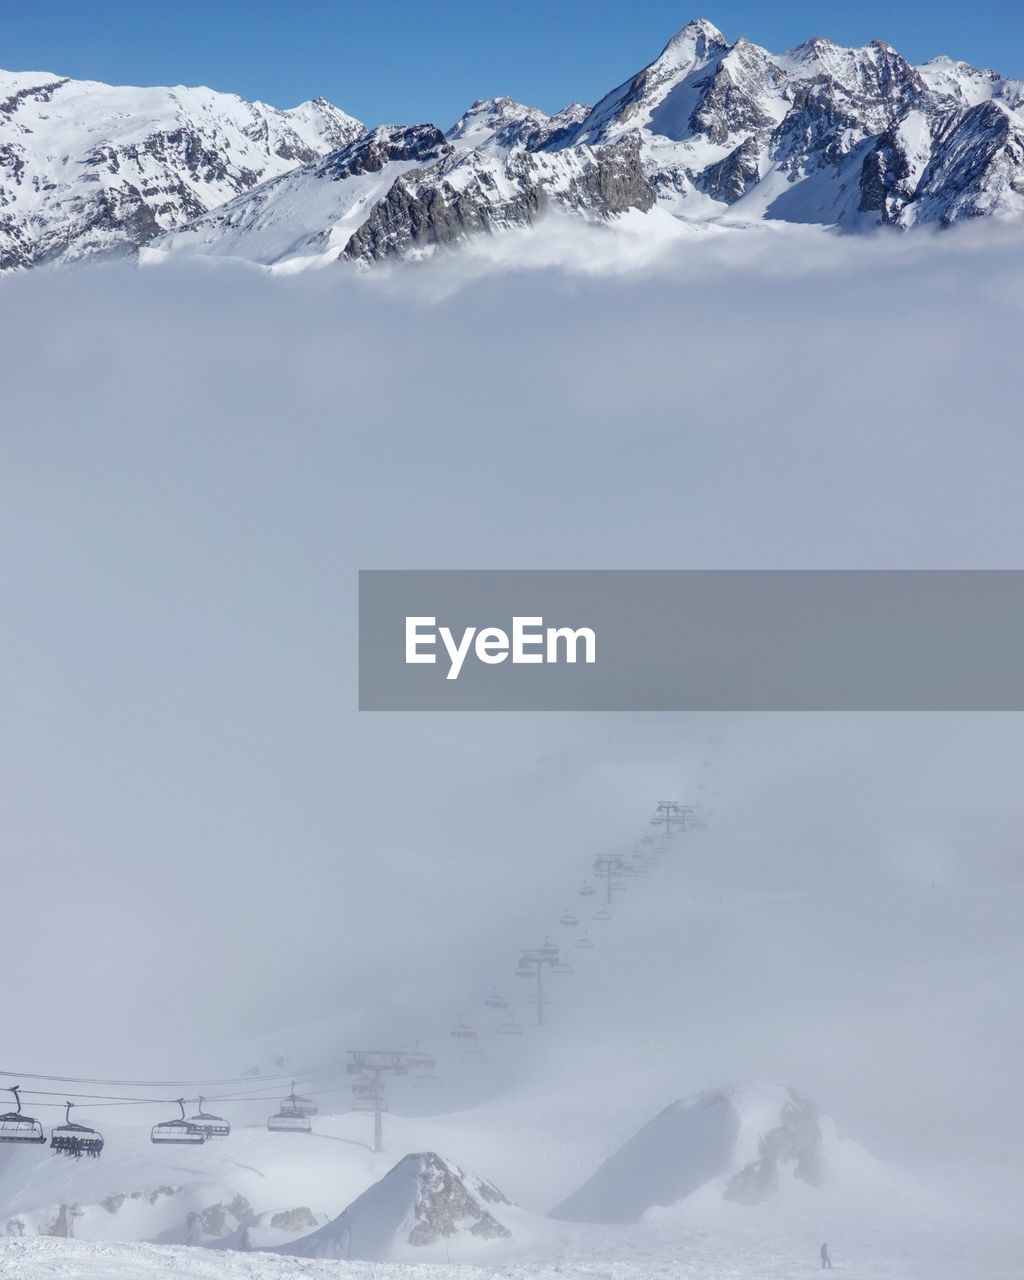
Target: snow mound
424	1200
742	1144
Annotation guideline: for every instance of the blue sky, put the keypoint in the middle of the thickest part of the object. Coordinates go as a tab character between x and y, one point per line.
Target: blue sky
401	60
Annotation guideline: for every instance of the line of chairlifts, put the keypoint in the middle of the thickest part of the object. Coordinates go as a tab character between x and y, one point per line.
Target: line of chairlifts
67	1139
77	1140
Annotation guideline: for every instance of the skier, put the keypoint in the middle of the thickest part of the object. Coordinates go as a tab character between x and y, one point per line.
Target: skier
826	1261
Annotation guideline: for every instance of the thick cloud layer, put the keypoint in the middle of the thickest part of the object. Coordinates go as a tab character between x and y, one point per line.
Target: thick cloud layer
205	842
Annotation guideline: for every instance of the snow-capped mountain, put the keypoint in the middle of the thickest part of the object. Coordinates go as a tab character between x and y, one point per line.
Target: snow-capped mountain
709	131
853	138
89	168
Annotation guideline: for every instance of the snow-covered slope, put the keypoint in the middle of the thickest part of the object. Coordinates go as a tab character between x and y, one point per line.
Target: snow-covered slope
424	1200
741	1145
311	212
751	1248
88	168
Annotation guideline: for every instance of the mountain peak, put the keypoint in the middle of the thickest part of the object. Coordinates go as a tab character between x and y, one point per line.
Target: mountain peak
696	40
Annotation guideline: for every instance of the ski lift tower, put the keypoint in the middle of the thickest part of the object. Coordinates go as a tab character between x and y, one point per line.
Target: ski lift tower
532	964
669	814
611	868
373	1065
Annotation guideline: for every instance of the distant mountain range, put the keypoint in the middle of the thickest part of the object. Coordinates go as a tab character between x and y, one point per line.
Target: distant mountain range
709	131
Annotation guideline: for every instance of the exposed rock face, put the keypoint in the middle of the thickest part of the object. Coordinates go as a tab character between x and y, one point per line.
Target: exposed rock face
469	193
294	1220
423	1200
447	1205
63	1224
795	1142
369	154
170	1214
732	177
217	1220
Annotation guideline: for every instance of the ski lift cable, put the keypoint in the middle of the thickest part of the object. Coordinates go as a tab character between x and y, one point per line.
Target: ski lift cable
163	1102
121	1100
91	1097
169	1084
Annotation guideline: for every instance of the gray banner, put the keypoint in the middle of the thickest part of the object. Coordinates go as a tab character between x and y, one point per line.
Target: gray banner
688	640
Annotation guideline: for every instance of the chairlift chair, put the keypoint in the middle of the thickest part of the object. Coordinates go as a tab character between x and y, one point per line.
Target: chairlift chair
15	1127
568	920
285	1122
562	966
180	1132
420	1060
296	1105
462	1031
75	1140
588	890
212	1126
584	942
510	1028
495	1000
548	950
429	1080
603	914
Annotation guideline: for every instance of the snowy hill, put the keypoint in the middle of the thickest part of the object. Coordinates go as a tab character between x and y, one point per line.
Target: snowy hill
740	1145
422	1201
709	131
